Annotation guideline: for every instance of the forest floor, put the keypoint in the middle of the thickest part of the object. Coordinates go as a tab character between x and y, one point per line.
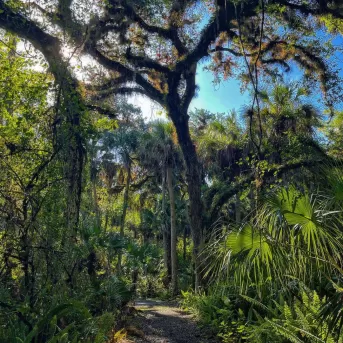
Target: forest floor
164	322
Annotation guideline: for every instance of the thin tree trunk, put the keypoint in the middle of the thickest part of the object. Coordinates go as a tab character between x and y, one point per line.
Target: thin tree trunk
135	272
96	205
173	239
106	221
166	232
184	242
123	216
71	103
238	209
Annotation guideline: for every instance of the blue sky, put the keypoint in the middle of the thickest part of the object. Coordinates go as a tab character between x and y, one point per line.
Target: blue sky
215	98
218	98
227	95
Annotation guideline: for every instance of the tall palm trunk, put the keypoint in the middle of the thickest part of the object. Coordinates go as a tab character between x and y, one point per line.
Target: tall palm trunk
172	230
123	216
135	271
166	232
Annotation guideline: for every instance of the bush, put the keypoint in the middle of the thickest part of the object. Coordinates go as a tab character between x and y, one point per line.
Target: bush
296	320
218	312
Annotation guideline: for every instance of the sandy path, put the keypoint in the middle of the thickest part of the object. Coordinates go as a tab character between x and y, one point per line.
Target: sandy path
163	322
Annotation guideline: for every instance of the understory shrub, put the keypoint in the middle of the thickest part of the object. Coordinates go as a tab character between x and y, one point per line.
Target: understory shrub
59	316
291	320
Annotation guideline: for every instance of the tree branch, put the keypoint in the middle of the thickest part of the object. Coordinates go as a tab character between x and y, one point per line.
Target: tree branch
169	34
17	23
220	22
321	8
102	110
146	62
231	51
128	73
277	171
190	87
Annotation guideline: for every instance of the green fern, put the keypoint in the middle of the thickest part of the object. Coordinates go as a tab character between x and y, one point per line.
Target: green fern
297	323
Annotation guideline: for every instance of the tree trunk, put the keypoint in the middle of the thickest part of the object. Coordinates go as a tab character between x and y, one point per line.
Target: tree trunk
96	205
71	106
184	242
172	230
166	232
238	209
106	221
193	177
123	216
135	272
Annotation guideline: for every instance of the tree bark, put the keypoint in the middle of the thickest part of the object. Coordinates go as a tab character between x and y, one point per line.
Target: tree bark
173	238
135	271
194	180
96	205
184	242
166	232
123	216
71	106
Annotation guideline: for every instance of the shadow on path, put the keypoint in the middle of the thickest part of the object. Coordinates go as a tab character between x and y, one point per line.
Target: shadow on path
165	322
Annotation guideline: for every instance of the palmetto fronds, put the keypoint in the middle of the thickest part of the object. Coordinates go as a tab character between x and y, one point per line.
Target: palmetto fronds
294	236
284	110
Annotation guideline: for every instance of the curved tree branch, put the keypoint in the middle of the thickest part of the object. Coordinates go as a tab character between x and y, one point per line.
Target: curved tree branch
169	33
129	74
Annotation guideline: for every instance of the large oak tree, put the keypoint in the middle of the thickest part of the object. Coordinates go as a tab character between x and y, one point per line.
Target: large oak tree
153	47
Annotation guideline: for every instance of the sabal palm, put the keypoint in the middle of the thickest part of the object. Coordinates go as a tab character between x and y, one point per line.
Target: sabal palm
334	133
123	144
284	110
219	142
294	236
159	153
285	124
157	145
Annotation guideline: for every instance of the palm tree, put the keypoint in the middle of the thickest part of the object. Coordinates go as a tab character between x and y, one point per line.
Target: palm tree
295	236
123	143
159	153
221	146
334	132
287	120
217	137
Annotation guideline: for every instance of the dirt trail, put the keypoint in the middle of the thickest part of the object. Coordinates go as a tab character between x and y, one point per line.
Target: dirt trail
163	322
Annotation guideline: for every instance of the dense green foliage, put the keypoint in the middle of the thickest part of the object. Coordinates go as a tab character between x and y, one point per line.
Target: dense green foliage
239	212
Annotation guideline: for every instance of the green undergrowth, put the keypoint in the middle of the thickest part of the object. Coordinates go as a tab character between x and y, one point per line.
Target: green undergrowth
63	319
238	319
